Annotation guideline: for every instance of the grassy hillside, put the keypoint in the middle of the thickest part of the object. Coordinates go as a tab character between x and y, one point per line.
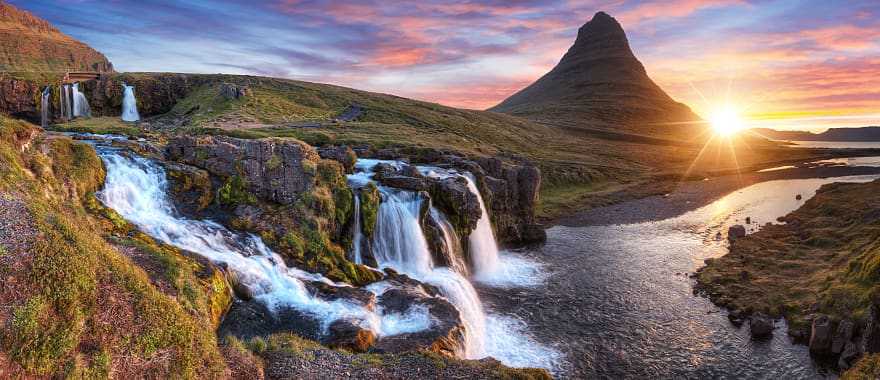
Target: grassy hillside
824	259
576	165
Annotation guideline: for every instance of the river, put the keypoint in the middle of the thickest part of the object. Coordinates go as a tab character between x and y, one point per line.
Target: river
618	301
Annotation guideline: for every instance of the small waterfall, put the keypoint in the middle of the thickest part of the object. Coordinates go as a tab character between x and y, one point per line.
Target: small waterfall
484	249
129	104
44	106
136	188
399	243
65	102
80	103
358	233
451	241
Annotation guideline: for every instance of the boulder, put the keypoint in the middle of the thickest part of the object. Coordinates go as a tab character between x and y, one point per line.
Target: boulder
871	336
274	169
842	336
347	335
342	153
848	356
760	326
460	205
821	336
533	233
405	183
190	188
735	232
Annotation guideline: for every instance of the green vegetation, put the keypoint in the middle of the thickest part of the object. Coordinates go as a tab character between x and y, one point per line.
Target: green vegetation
101	125
235	192
81	307
369	208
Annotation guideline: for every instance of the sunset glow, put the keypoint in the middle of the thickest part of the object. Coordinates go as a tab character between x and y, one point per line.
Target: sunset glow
806	64
726	122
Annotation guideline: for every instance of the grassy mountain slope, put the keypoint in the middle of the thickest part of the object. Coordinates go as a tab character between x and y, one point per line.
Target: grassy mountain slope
30	44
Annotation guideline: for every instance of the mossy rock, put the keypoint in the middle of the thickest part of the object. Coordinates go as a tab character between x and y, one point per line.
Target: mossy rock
370	199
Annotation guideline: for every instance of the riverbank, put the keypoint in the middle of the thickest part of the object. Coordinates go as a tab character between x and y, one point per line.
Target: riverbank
819	271
663	200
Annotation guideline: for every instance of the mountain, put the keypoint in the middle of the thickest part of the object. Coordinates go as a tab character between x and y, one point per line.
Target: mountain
832	134
599	84
30	44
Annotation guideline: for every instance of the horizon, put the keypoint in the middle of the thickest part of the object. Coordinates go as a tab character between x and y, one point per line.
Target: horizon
778	73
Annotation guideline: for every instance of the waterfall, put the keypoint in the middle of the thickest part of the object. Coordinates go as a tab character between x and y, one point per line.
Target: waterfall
44	106
80	103
451	241
129	104
136	187
484	249
65	102
358	233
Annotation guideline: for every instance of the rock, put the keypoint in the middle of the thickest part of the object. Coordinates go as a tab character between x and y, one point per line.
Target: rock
748	220
233	91
843	335
821	336
274	169
848	356
445	336
735	318
190	188
343	154
798	197
461	206
347	335
735	232
533	233
871	336
350	113
760	326
406	183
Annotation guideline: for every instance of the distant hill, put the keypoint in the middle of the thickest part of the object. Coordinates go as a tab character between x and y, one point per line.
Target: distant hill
30	44
832	134
599	84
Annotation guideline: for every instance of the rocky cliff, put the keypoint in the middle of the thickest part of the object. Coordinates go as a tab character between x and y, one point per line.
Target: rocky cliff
599	84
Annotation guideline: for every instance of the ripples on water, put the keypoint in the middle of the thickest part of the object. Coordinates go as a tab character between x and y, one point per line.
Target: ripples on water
619	300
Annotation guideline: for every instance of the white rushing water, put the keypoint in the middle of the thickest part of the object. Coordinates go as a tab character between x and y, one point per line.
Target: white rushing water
136	188
451	241
399	243
80	103
65	102
44	106
129	104
357	256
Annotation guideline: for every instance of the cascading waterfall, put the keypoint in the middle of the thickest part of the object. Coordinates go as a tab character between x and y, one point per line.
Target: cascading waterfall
65	102
451	241
135	187
484	249
357	257
129	104
399	243
44	106
80	103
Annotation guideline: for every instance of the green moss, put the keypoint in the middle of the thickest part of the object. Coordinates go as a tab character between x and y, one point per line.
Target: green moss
101	126
369	208
274	162
235	192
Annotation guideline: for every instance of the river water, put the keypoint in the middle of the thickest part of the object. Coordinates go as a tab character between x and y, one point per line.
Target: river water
618	301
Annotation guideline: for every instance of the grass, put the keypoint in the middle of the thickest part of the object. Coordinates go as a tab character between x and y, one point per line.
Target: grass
102	126
825	259
86	309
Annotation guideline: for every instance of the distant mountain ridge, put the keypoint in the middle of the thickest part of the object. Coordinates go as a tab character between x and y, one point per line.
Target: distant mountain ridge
871	133
30	44
600	84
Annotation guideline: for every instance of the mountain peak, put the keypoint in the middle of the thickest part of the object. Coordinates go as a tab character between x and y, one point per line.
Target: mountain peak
600	84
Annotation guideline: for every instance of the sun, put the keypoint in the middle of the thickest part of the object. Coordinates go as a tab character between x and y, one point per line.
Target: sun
726	122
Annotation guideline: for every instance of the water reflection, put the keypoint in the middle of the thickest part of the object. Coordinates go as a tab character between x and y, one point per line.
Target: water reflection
619	302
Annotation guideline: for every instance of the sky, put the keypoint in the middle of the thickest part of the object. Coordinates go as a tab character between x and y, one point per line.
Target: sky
780	64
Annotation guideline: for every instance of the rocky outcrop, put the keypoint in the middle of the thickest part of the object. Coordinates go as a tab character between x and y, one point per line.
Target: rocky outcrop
191	187
870	342
19	98
821	336
455	199
446	335
156	93
760	326
279	170
340	153
735	232
231	91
